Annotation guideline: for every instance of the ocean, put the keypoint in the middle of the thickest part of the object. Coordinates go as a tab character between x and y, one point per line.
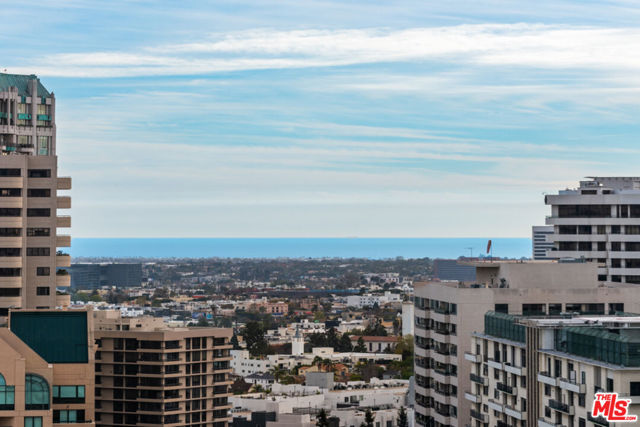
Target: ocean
373	248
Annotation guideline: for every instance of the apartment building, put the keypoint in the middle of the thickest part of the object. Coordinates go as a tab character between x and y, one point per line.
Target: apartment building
554	382
541	241
148	374
31	267
47	369
600	221
446	314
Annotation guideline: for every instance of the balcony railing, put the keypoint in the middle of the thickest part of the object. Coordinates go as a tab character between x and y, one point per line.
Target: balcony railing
562	407
505	388
476	378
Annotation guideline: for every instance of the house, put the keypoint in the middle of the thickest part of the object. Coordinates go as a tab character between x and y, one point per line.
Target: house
375	344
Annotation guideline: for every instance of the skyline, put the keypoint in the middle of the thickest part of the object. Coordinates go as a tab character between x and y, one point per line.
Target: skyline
247	119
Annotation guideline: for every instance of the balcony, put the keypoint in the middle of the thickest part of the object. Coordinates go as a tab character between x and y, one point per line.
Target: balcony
477	379
63	260
493	364
599	421
513	369
63	202
545	378
495	405
561	407
515	413
474	358
63	278
64	183
479	416
63	241
506	388
471	397
571	385
544	423
63	221
63	300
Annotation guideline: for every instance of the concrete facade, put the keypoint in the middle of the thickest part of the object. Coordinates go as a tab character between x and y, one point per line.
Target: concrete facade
541	241
162	376
446	314
599	221
30	265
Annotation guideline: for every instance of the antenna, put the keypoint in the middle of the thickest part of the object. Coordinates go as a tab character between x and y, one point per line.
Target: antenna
470	252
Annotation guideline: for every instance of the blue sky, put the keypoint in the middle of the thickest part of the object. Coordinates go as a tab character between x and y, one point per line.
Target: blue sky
330	118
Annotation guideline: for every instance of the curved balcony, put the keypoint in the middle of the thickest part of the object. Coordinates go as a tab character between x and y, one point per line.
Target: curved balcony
64	183
63	202
63	300
63	221
63	279
63	260
63	241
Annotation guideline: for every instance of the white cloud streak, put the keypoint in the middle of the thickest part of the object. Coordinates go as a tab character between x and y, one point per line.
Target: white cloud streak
495	45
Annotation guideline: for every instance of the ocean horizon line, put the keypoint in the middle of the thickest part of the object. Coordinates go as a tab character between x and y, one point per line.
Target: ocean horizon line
298	247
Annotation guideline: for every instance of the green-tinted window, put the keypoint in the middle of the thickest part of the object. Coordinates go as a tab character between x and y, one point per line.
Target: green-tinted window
32	421
36	392
7	395
68	416
68	393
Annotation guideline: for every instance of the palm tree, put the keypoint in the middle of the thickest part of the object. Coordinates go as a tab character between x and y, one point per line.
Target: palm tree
321	420
277	372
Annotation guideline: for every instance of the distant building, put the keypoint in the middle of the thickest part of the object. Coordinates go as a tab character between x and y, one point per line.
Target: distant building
93	276
450	269
375	344
541	238
407	318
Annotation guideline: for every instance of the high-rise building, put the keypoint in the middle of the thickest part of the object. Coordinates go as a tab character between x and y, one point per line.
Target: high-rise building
47	369
599	221
546	371
29	200
447	313
541	241
149	374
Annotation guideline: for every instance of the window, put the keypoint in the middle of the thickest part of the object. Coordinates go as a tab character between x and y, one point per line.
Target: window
36	392
10	212
601	229
43	291
43	142
502	308
10	172
581	400
609	385
602	246
7	395
38	232
39	173
68	394
38	192
9	292
615	229
32	421
38	251
9	252
10	272
616	246
10	232
616	263
68	417
38	212
43	271
10	192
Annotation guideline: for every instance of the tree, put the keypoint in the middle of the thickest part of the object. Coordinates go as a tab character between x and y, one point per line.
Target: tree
202	321
360	347
368	419
321	420
344	345
234	342
254	337
332	339
277	372
402	418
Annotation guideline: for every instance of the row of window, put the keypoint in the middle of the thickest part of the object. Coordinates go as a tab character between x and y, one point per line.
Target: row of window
32	173
16	252
31	232
599	246
598	229
558	308
31	192
31	212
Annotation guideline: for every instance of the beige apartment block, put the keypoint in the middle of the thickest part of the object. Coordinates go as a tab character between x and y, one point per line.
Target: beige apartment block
447	313
47	369
546	371
31	265
148	375
599	221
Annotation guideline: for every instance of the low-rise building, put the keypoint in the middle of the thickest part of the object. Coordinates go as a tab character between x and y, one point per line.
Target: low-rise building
375	344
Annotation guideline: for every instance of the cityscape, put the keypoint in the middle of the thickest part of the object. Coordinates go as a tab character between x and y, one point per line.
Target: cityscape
267	274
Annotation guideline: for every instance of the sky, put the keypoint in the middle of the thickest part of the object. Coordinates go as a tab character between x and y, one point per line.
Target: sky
322	118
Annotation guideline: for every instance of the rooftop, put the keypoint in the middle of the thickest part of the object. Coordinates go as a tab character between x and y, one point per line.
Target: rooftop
21	82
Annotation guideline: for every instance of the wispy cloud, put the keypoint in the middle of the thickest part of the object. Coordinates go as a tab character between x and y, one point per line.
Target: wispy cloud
526	45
